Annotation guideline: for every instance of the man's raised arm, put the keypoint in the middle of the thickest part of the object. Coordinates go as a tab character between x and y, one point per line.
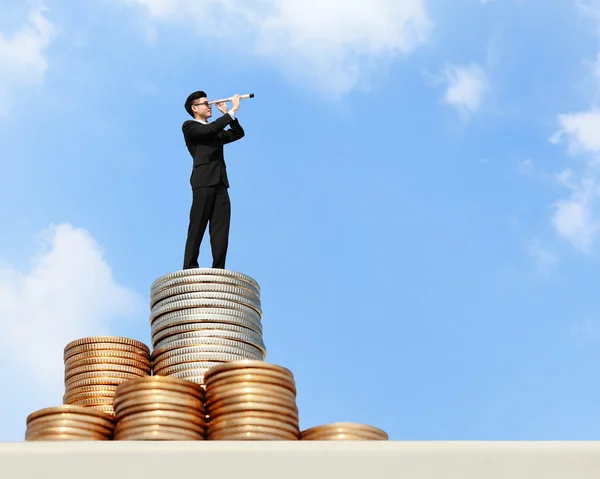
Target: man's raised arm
196	131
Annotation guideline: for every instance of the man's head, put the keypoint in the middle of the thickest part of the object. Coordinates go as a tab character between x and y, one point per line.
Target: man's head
197	106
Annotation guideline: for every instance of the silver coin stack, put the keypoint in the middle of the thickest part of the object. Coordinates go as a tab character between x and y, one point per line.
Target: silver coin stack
202	317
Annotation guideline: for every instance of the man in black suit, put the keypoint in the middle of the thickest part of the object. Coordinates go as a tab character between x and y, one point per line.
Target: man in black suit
209	181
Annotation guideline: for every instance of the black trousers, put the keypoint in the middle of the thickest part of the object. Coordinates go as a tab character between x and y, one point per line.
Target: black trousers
210	204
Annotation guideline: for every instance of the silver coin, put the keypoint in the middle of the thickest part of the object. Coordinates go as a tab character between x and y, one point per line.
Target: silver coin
197	376
207	312
198	304
205	329
204	271
203	341
193	369
203	287
180	354
208	295
169	360
252	339
206	318
205	279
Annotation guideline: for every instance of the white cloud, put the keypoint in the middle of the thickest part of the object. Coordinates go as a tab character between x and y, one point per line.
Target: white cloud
582	131
575	218
329	45
69	292
466	87
22	55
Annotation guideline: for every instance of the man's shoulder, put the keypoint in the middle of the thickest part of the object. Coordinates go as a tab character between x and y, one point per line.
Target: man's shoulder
188	123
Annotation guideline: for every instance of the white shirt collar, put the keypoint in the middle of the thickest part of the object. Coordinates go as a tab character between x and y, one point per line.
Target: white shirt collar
200	121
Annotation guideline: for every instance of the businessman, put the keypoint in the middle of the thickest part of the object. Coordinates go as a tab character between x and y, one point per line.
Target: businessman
210	198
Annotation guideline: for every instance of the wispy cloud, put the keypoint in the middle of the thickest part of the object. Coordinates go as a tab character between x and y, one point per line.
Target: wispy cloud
545	259
575	218
68	293
22	55
331	46
466	86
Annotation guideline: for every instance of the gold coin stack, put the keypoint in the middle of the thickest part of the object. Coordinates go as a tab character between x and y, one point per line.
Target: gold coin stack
69	423
96	365
348	431
159	408
251	400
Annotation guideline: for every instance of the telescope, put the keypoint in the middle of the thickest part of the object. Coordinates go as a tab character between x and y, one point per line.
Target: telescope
242	97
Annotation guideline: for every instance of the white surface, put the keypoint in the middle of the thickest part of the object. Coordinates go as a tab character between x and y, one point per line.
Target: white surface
301	459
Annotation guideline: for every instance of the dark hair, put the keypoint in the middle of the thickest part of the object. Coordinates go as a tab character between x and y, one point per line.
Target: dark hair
194	96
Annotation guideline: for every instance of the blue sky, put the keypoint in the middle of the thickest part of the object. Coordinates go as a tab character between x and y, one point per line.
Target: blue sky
417	195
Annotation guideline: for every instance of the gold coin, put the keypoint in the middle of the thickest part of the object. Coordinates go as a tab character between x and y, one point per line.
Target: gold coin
92	389
159	429
128	423
69	398
143	393
146	397
99	360
252	398
251	375
97	401
64	430
253	406
36	427
236	366
250	436
106	367
107	354
157	436
345	428
215	395
161	382
96	382
227	424
66	437
161	395
233	388
235	430
135	407
105	375
126	408
160	414
68	412
340	437
107	339
257	382
108	346
106	409
85	421
254	415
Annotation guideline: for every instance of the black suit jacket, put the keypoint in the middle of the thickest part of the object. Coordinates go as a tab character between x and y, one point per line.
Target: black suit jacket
205	144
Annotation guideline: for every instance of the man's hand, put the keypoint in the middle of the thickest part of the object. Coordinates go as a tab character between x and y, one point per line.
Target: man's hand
235	101
222	106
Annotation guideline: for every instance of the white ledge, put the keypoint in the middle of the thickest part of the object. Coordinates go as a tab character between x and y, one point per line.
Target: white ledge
301	459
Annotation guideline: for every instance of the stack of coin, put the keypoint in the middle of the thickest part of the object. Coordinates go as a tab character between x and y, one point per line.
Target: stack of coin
95	365
159	408
251	400
203	317
344	431
69	423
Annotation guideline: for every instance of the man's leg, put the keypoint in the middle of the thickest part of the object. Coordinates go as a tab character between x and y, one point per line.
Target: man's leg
219	226
202	206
